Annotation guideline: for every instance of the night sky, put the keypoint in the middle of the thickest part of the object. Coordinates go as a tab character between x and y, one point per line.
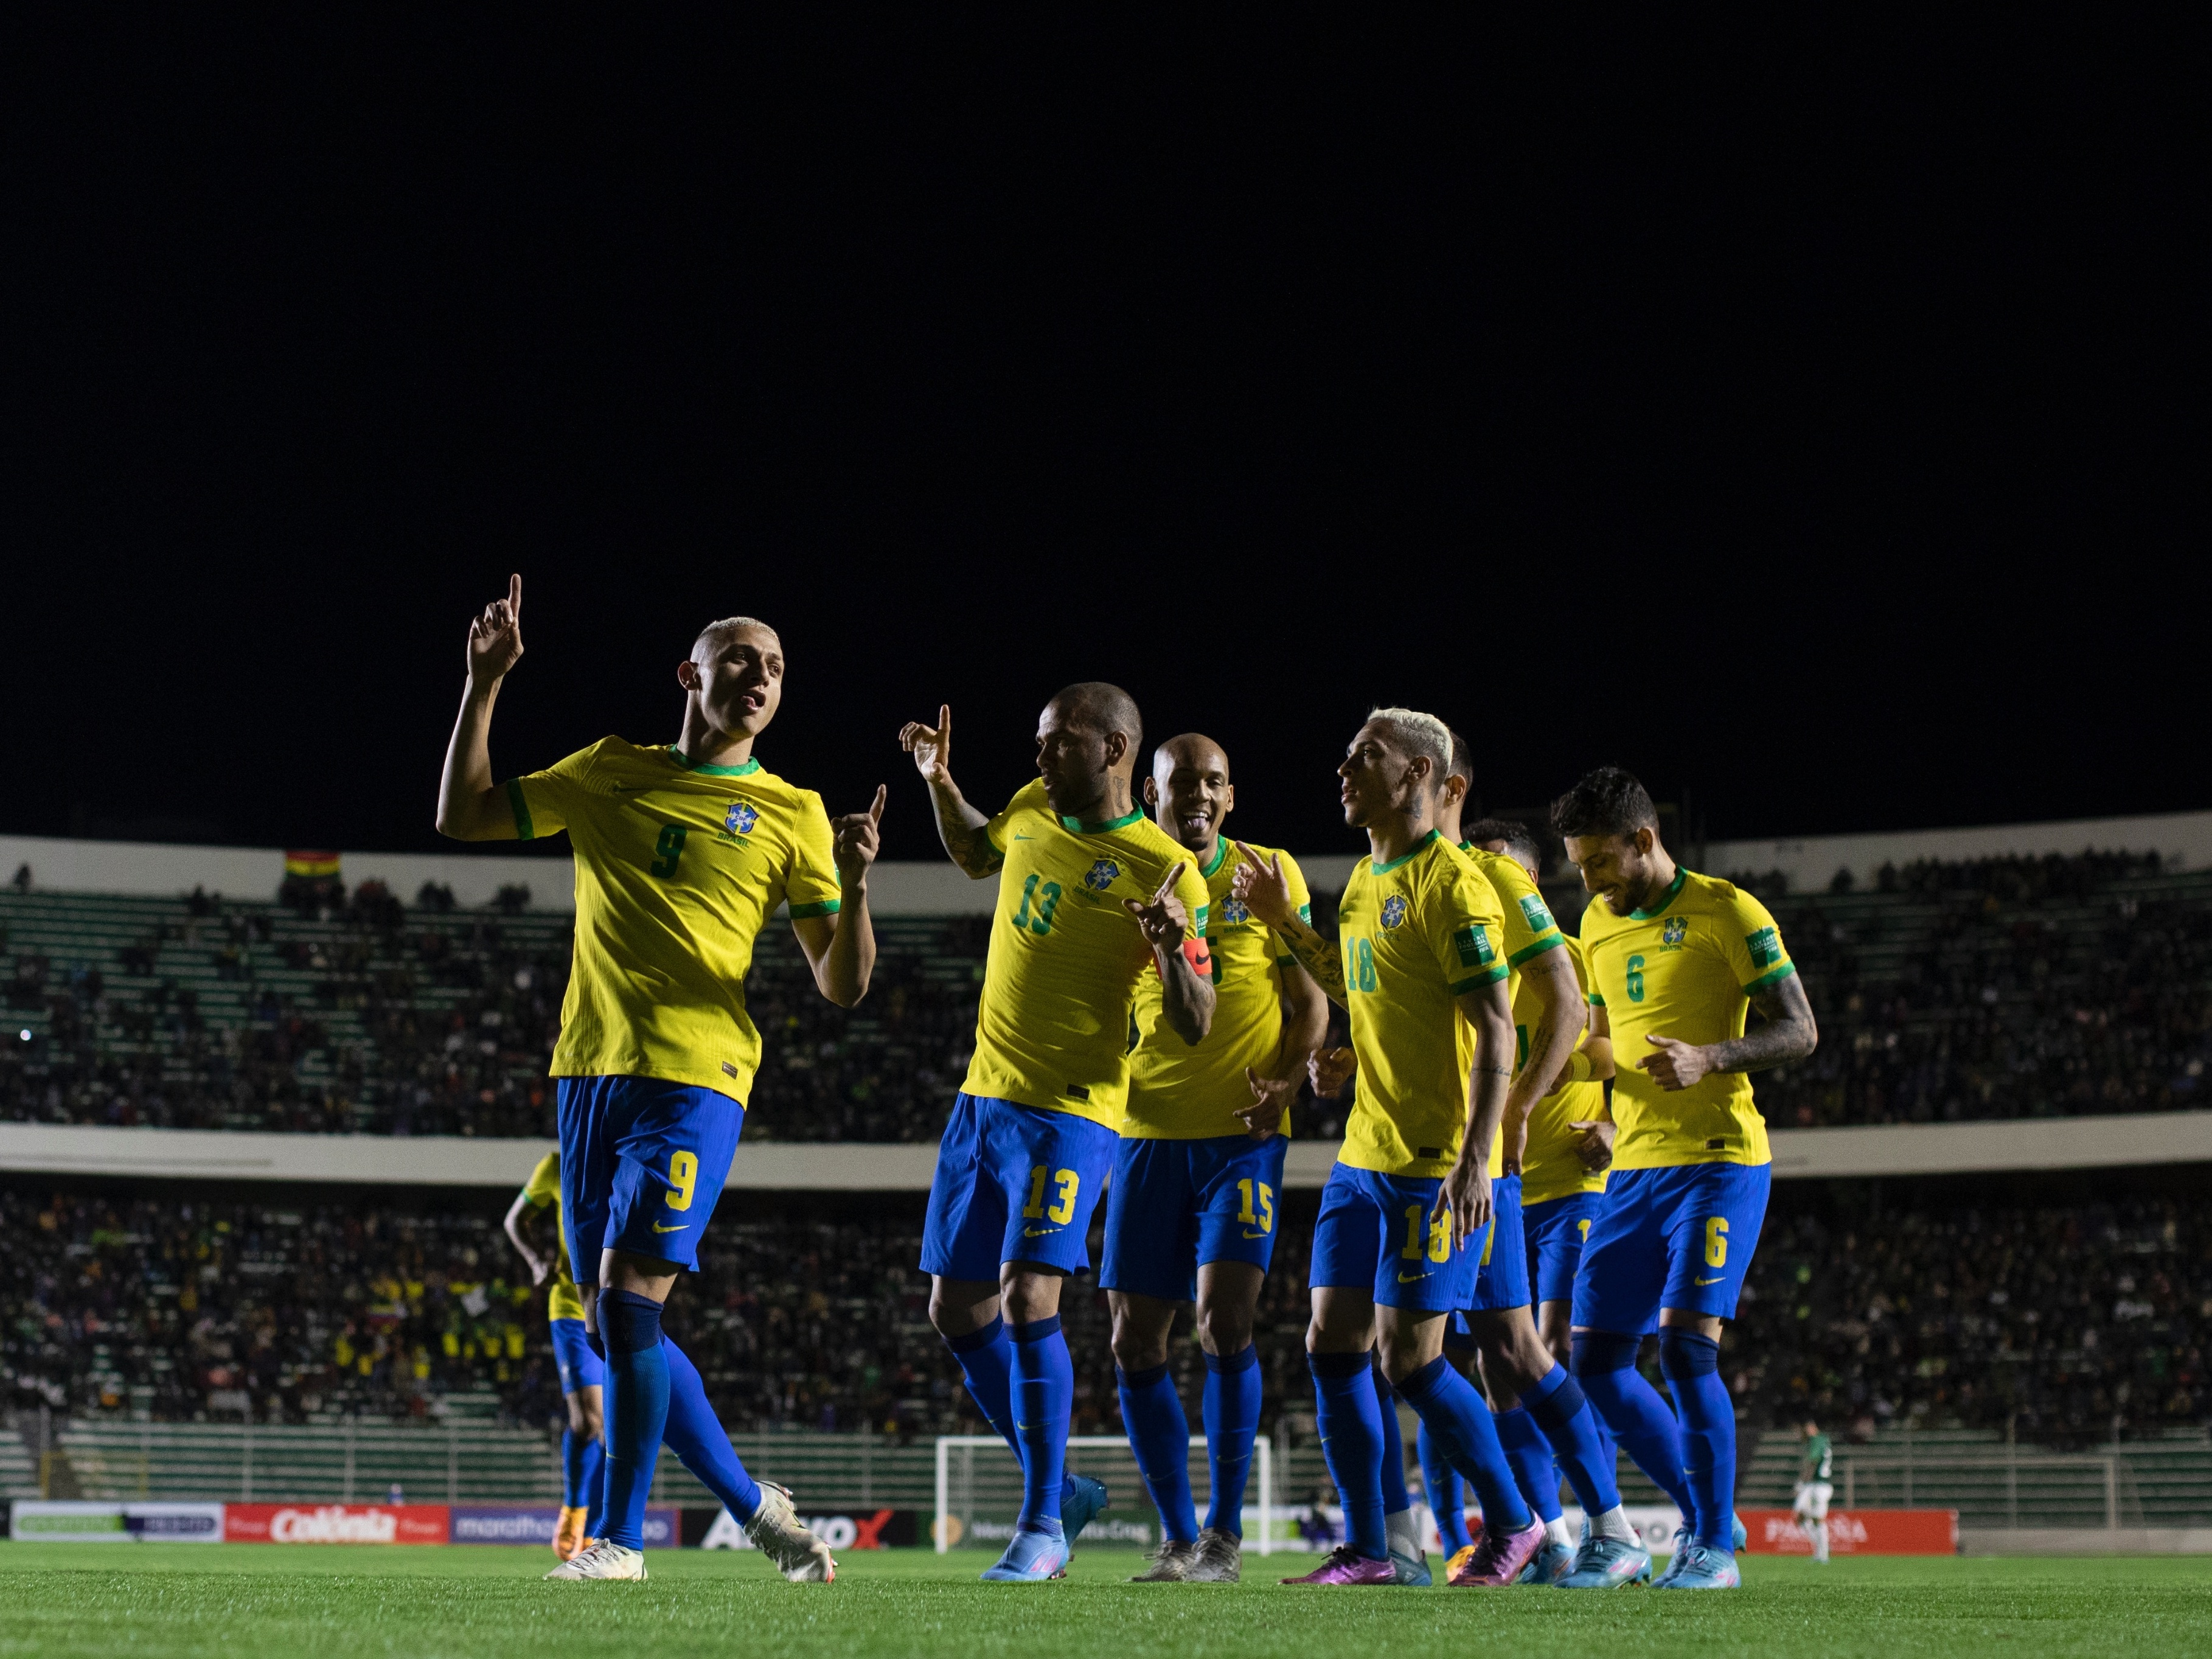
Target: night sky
1812	422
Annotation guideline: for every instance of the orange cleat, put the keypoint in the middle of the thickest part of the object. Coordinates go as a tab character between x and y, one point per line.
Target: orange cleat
568	1537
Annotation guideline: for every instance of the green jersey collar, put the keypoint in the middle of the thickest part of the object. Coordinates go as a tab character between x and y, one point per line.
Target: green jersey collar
1220	852
684	763
1665	898
1082	829
1418	848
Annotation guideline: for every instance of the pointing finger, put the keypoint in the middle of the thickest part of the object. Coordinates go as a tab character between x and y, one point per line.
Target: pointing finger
1169	885
515	595
876	811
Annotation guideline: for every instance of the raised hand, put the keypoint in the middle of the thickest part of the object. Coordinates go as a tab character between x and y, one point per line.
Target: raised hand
495	637
1259	885
1163	920
1330	1070
1678	1065
1271	1103
857	840
931	745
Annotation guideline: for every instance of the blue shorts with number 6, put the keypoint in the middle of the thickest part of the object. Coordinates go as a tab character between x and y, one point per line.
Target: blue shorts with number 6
1380	1234
1177	1204
1681	1236
642	1161
579	1366
1013	1183
1555	1230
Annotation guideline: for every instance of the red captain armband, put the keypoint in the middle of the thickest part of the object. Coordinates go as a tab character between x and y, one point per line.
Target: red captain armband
1201	960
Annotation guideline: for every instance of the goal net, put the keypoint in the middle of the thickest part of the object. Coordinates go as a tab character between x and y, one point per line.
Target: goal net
979	1492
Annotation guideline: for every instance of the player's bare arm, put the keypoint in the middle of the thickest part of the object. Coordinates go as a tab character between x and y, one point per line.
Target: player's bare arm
1788	1034
959	825
1187	1001
841	948
1489	1009
1592	1142
1261	887
1551	975
469	807
520	1215
1305	1022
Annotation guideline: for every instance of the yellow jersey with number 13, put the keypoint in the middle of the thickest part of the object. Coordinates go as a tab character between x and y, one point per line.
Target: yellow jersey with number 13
1415	935
543	1188
1684	967
1064	958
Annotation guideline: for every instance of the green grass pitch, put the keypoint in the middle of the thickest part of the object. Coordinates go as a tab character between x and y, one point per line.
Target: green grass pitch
242	1600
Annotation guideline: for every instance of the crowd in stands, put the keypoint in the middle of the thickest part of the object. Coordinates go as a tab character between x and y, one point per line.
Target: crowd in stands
1994	989
2070	1323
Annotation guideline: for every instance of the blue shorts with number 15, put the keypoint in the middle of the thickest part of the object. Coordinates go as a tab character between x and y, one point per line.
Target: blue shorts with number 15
1013	1183
1177	1204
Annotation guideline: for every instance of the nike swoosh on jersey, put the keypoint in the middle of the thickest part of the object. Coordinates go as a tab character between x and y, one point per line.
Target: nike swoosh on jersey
1408	1279
1019	836
677	1228
1714	1280
1260	1234
1038	1232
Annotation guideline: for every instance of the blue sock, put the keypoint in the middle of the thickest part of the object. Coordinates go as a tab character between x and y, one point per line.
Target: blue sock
1560	1410
595	1492
1605	1364
1535	1476
637	1408
572	1468
1350	1420
695	1435
1460	1418
1231	1412
1395	1498
987	1360
1692	1364
1044	1397
1159	1437
1446	1497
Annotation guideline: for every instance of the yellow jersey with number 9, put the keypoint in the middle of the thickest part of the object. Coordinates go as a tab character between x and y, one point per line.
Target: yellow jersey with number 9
1549	1167
561	1299
1415	934
1529	931
1686	968
677	867
1064	959
1177	1092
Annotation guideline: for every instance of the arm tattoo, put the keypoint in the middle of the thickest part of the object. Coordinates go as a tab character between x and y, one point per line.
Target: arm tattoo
960	827
1317	957
1788	1034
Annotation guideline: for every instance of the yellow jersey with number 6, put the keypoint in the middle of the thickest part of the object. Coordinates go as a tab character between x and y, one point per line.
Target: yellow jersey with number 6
1066	957
1177	1092
1415	935
561	1299
1686	968
677	867
1549	1167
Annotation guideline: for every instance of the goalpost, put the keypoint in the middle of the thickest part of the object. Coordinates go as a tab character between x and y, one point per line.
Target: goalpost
1106	1455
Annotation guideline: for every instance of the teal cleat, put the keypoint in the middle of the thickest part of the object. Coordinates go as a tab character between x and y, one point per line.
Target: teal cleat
1700	1566
1553	1563
1081	1498
1738	1534
1683	1539
1031	1559
1412	1570
1606	1563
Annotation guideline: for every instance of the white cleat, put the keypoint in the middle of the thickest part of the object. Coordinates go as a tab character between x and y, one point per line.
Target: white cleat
774	1530
604	1560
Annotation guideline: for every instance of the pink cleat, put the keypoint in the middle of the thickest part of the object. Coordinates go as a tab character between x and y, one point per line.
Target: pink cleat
1346	1566
1498	1557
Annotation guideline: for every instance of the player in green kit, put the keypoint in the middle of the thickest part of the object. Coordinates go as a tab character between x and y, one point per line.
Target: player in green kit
1816	1488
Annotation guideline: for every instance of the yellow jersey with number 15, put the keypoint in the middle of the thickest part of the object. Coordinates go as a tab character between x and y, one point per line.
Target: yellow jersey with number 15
677	867
1177	1092
1549	1167
1064	958
1686	968
1529	931
543	1188
1415	934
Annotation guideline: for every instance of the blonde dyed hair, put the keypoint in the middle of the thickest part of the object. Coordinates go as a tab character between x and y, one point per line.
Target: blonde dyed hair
715	632
1418	733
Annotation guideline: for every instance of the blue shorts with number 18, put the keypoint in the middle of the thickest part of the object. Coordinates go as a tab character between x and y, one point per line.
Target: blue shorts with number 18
1013	1183
1379	1233
1177	1204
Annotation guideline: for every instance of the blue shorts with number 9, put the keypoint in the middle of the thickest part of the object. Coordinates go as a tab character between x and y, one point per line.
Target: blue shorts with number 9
1177	1204
1682	1237
642	1161
1380	1234
1013	1183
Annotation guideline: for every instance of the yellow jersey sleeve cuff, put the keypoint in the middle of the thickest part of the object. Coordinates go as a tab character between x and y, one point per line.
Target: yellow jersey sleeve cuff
1772	977
521	806
1537	946
1490	976
823	908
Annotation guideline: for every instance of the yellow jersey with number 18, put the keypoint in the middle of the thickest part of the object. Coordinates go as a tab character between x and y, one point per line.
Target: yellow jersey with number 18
1415	934
1529	931
1177	1092
1549	1167
543	1188
1064	958
677	867
1686	968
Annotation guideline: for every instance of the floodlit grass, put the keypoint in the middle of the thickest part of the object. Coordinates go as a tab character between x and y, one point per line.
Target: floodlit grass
242	1600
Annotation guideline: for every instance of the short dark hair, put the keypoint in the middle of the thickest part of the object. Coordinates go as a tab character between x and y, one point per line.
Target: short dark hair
1519	840
1104	707
1462	766
1607	801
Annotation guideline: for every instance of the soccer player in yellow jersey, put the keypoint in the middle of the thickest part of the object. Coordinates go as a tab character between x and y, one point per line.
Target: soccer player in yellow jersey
1407	1210
581	1371
1092	897
1676	961
682	853
1191	1213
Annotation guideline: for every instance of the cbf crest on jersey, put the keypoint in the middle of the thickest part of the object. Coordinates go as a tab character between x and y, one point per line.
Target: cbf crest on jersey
738	820
1234	911
1675	930
1101	876
1394	910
